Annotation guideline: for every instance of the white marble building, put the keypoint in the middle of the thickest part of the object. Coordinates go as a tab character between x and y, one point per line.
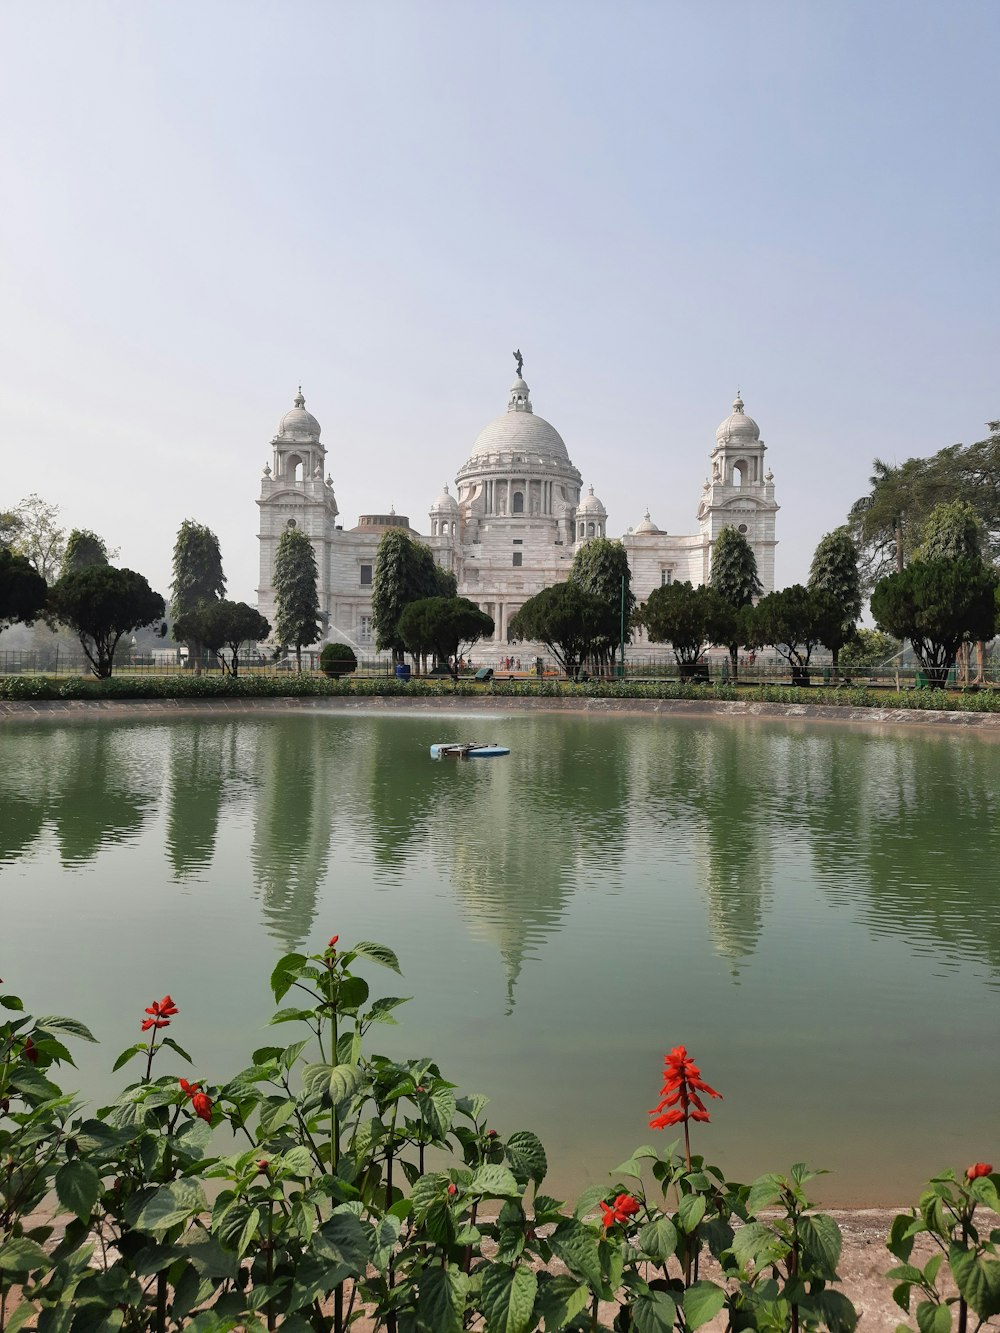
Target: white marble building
514	524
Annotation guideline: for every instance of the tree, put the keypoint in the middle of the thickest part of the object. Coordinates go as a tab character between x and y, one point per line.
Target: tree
38	537
444	626
296	600
868	649
83	549
689	619
601	567
734	578
10	527
834	572
221	625
100	604
796	620
197	567
23	593
405	571
888	523
952	531
937	604
568	619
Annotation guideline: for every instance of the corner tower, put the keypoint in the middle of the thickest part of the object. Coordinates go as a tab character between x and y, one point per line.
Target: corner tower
293	493
739	492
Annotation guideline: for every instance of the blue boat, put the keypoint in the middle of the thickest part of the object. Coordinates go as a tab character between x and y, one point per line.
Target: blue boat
468	750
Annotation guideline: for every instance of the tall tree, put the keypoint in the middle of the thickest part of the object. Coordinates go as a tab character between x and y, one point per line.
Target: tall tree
689	619
197	567
22	592
834	571
937	604
405	571
223	625
444	626
734	577
953	531
100	604
83	549
601	567
298	619
38	535
568	619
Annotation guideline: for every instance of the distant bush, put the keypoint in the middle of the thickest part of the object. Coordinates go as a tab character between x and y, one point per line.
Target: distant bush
337	659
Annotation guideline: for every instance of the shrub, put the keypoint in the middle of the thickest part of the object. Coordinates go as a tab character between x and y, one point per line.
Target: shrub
337	659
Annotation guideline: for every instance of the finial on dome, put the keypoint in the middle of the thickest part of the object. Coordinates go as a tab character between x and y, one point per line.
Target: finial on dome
590	490
737	401
299	400
645	515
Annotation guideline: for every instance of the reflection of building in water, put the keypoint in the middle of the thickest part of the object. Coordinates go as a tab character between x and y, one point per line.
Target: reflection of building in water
94	785
513	872
700	785
209	762
293	814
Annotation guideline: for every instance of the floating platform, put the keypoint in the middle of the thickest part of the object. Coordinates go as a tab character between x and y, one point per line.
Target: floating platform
468	750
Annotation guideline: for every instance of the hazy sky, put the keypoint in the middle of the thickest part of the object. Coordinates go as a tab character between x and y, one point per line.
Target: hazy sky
205	203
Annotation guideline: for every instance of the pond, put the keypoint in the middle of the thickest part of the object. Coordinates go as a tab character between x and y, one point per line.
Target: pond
810	908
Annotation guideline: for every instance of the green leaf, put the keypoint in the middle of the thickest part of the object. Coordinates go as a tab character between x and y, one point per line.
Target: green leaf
527	1156
702	1302
129	1053
438	1110
495	1180
22	1255
342	1245
508	1298
977	1278
588	1200
658	1239
378	953
576	1245
653	1312
764	1193
25	1311
291	1015
77	1187
330	1084
352	993
381	1010
286	971
933	1318
560	1300
441	1299
167	1206
690	1211
178	1048
297	1161
71	1026
12	1002
839	1314
821	1241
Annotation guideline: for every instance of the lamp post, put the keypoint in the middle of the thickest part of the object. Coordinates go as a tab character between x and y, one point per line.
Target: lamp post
621	651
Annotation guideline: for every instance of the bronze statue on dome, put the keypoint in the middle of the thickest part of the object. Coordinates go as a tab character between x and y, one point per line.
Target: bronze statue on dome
520	361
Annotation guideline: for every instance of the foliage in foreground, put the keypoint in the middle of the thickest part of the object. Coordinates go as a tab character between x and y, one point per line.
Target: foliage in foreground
324	1201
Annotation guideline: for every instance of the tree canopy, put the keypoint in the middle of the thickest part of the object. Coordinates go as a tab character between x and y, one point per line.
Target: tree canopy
834	573
405	571
568	619
444	626
599	566
220	626
952	531
796	620
100	604
734	577
34	532
689	619
23	592
298	620
83	549
937	604
197	568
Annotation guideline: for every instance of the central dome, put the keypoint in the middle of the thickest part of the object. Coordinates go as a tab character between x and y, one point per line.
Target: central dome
519	431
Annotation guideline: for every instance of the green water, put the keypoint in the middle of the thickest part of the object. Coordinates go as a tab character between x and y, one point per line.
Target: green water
810	909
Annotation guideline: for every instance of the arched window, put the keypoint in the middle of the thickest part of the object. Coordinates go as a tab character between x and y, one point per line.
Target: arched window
582	531
740	473
444	529
518	504
293	467
590	530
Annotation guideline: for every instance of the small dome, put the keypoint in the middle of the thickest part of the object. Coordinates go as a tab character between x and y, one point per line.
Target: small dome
738	427
647	524
298	423
591	505
444	501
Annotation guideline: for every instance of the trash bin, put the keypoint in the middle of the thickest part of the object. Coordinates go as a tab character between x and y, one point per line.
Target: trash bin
402	671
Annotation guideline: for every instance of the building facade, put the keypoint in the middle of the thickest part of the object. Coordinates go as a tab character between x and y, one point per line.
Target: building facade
518	516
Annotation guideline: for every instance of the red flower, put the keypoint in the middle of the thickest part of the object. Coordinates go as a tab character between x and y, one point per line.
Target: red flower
30	1051
263	1166
189	1088
148	1023
333	941
491	1133
162	1011
681	1086
621	1210
979	1169
453	1189
201	1104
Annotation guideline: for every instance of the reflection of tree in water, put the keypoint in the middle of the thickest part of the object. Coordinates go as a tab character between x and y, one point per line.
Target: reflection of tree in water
401	792
293	818
93	784
196	789
701	785
517	851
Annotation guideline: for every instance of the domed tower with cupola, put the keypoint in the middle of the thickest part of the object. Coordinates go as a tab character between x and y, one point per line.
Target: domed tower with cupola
295	493
739	492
